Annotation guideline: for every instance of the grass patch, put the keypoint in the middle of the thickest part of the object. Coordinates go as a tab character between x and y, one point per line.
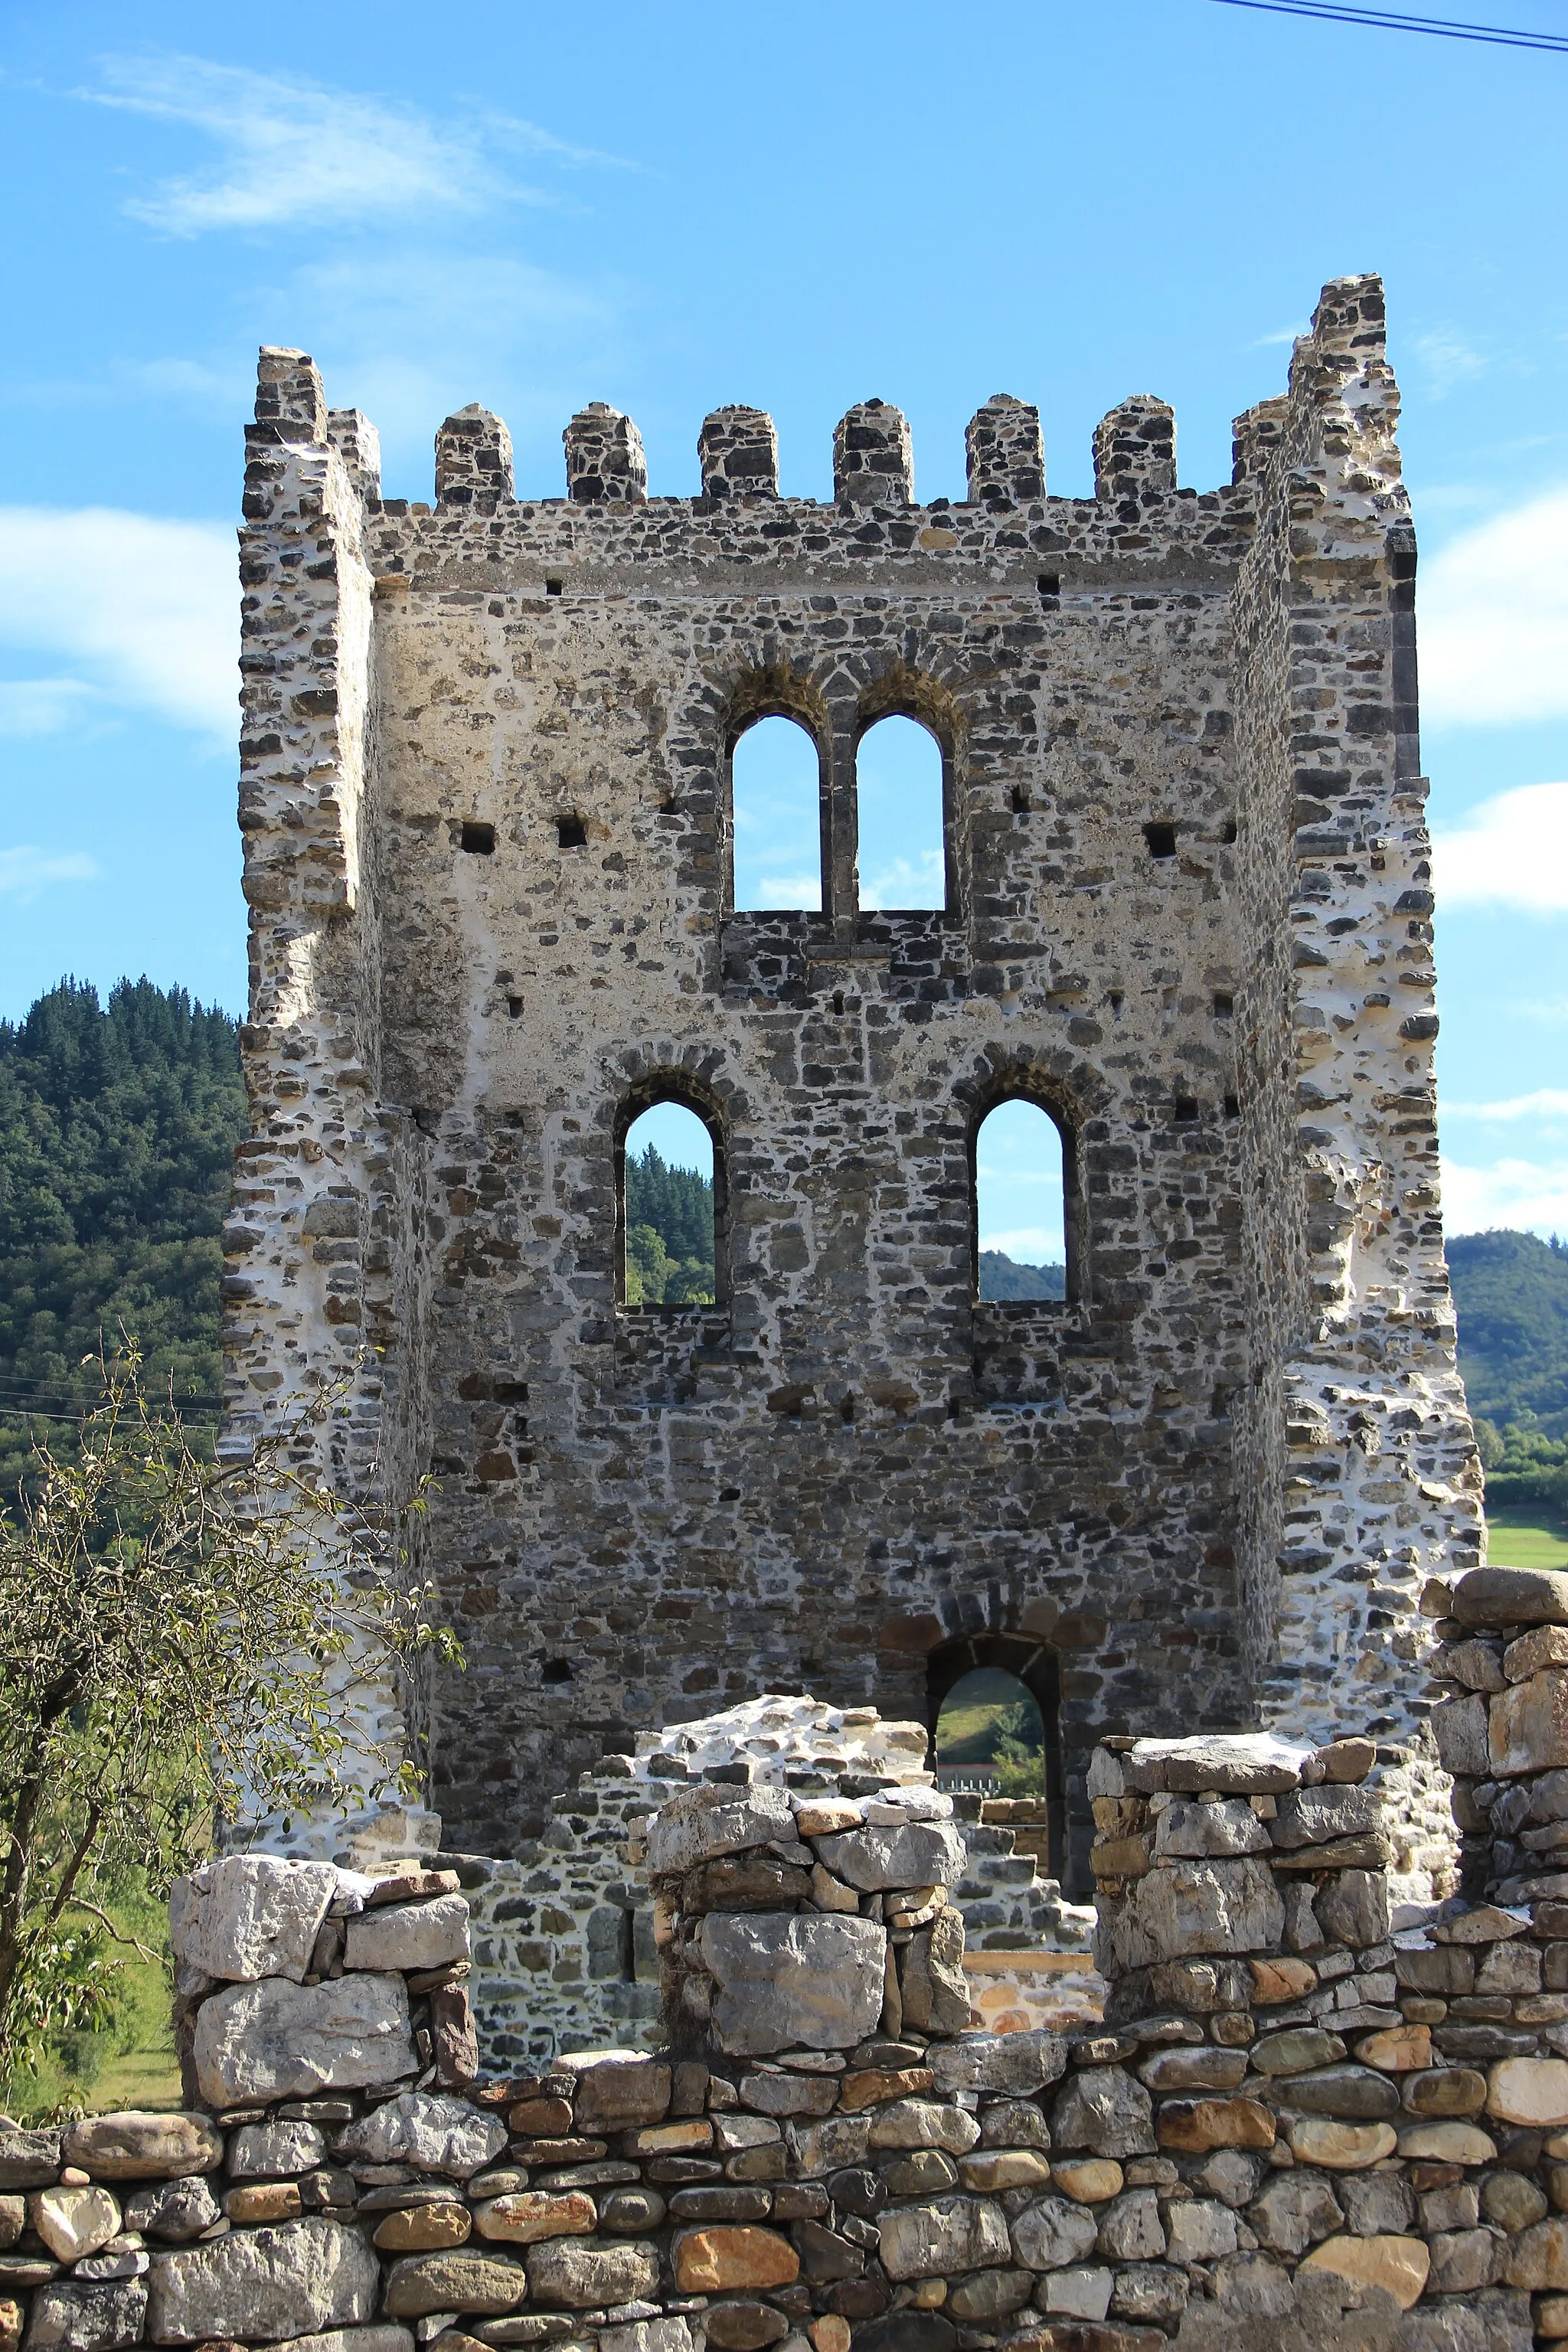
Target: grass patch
1526	1535
130	2063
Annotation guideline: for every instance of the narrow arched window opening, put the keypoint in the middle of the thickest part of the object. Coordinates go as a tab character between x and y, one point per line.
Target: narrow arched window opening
776	806
1021	1207
990	1737
902	852
670	1210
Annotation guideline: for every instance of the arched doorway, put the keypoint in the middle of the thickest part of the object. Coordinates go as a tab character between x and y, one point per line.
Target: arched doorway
1013	1666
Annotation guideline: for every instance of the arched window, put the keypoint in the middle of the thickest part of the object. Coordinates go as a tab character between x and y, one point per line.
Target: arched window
776	802
670	1210
899	797
989	1734
1023	1188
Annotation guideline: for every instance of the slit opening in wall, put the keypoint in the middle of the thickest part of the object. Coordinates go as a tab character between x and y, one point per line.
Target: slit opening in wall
553	587
776	819
571	833
478	840
1160	838
1023	1195
555	1670
671	1203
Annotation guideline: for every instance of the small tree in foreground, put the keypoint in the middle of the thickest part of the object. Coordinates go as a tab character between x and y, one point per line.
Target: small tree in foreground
181	1644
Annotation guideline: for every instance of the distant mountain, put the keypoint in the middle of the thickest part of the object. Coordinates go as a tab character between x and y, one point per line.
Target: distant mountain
1004	1277
1510	1293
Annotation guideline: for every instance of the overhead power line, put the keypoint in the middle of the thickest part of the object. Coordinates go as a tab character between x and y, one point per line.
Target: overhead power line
1444	28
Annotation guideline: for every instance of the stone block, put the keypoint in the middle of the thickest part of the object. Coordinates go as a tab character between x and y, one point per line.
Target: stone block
175	2211
815	1979
1352	1907
618	2089
274	2150
1203	2069
1295	2050
142	2144
432	2133
282	2040
1528	1724
250	1916
1198	1907
1198	1832
1105	2110
1536	2259
1016	2063
30	2159
1053	2232
578	2274
1446	2143
409	1936
1241	1764
1447	2091
264	2285
1294	2212
69	2316
1346	1761
993	2169
1200	2229
1511	1596
712	1820
723	2257
1090	2180
1130	2227
923	2123
74	2222
530	2216
1354	2094
429	2229
1312	1817
917	1854
1529	2091
1459	1727
1338	2147
465	2280
1398	2265
1193	2126
935	1990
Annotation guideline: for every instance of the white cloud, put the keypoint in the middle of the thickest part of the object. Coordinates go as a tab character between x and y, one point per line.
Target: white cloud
1552	1009
780	892
1494	620
43	705
1448	361
145	611
906	882
1511	851
1546	1102
25	871
293	150
1521	1195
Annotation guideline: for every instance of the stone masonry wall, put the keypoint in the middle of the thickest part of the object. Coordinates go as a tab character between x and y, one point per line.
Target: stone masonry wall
1315	2115
486	798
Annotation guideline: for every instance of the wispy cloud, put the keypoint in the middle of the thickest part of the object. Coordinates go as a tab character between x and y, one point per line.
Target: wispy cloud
1279	335
43	705
1545	1102
145	612
1552	1010
291	150
1447	361
1511	851
1494	620
27	870
1521	1196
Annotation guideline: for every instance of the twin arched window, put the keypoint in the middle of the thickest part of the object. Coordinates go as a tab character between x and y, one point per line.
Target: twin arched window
671	1197
780	819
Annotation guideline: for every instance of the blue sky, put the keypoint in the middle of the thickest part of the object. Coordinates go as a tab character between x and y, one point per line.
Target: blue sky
674	208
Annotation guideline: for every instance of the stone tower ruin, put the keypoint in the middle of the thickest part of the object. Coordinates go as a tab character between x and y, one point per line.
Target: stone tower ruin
487	811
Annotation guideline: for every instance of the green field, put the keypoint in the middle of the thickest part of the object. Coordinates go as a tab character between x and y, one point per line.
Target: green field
1525	1535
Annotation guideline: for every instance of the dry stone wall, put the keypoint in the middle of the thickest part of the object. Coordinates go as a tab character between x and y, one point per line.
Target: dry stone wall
488	831
1317	2114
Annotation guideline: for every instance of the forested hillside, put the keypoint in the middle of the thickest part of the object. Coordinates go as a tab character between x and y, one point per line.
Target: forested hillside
1512	1294
669	1233
117	1134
